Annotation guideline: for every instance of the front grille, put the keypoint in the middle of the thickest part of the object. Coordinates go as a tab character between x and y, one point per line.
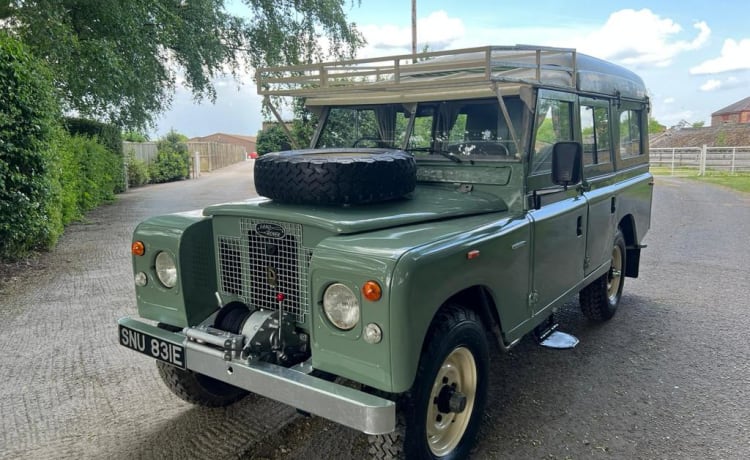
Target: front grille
258	266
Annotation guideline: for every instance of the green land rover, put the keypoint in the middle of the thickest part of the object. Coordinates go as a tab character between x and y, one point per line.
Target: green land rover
446	208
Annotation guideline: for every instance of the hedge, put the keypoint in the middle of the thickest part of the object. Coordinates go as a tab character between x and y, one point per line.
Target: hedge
29	212
48	178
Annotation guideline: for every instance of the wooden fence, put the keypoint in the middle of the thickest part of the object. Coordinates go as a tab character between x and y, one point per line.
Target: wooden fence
698	160
213	155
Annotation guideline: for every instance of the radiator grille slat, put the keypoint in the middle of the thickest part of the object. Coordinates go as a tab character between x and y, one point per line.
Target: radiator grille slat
256	267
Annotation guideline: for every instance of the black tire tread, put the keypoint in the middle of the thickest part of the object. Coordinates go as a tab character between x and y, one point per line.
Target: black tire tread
391	446
593	298
315	178
198	389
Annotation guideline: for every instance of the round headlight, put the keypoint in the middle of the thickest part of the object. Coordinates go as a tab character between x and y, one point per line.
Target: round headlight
341	306
166	270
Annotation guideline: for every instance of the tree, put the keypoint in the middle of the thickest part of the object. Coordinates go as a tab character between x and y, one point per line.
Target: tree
121	61
272	139
698	124
654	126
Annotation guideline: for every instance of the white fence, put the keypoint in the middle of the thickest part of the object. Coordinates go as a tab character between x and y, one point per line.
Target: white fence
213	155
698	160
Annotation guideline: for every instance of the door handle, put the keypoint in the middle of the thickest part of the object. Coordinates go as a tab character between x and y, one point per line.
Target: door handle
612	206
579	226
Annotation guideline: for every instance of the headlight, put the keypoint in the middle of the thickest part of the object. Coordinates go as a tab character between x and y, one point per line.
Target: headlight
341	306
166	270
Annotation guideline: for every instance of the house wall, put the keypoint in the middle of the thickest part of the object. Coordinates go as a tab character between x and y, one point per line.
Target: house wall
738	117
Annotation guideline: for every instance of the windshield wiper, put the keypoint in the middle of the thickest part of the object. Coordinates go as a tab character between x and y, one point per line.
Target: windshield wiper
444	153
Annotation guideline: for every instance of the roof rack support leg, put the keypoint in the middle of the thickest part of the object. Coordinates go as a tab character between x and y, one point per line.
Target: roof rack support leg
506	115
267	102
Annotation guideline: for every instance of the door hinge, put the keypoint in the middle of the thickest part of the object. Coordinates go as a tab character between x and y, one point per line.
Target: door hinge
533	299
586	262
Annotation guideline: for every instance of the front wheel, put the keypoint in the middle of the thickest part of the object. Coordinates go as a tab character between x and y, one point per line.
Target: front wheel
440	416
197	388
599	300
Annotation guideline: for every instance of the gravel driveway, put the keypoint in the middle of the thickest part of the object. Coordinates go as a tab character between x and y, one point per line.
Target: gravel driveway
668	377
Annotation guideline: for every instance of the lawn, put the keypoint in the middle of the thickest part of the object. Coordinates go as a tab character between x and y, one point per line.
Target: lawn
737	181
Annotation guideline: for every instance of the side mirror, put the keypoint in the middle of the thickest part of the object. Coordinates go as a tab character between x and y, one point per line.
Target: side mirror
567	163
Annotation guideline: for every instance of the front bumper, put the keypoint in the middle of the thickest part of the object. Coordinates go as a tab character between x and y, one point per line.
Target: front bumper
341	404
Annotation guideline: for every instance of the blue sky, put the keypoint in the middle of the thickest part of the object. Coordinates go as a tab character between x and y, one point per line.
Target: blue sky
693	55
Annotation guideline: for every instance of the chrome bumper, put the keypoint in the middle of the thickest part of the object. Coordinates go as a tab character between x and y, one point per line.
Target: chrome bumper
341	404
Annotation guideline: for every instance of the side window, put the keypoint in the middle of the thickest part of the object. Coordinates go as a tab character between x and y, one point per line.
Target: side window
553	124
595	135
630	134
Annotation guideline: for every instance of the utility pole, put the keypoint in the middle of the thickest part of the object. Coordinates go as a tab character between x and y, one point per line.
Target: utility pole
414	29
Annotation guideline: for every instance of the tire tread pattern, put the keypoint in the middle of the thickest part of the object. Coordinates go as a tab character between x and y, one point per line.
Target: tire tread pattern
198	389
391	446
331	177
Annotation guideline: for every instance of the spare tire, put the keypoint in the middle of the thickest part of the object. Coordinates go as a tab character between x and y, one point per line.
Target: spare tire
335	176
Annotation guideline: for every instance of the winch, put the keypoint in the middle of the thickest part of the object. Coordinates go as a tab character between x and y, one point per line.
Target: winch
250	334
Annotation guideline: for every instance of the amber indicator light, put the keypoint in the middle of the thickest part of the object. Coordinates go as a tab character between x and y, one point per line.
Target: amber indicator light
372	291
137	248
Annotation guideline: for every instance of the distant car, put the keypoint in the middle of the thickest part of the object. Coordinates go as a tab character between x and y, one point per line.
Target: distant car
252	155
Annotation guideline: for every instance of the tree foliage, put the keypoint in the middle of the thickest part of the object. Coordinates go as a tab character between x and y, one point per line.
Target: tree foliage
121	61
172	159
654	127
272	139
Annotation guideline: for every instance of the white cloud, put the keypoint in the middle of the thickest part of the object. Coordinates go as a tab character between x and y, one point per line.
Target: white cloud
669	100
633	38
437	30
641	38
711	85
729	83
734	56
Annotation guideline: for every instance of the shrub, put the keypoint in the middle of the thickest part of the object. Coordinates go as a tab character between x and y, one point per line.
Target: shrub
138	173
30	215
172	159
107	135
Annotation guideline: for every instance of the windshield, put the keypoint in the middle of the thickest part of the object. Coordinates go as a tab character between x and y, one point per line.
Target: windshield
454	130
382	126
470	129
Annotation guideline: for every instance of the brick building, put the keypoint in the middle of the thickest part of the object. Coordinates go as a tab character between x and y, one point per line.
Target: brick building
739	112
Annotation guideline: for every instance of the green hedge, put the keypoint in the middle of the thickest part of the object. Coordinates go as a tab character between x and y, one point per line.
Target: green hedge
108	135
29	201
89	175
48	178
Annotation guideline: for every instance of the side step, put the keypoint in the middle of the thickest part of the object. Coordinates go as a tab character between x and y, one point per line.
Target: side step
548	336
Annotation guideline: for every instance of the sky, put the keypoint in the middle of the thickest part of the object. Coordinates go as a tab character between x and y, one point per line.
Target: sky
694	56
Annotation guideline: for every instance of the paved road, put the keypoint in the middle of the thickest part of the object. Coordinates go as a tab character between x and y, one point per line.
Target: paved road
668	377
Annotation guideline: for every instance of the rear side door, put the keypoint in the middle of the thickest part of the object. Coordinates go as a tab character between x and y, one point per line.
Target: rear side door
596	137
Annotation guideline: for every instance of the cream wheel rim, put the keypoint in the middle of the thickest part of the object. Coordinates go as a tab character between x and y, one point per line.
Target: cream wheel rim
614	277
445	429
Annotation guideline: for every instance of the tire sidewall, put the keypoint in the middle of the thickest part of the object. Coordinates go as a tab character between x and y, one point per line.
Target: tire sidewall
469	334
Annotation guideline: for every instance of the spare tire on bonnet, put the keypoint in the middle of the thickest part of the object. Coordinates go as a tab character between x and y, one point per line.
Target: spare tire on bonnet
335	176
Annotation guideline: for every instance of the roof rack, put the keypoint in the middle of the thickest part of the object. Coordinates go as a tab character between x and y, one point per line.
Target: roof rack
465	68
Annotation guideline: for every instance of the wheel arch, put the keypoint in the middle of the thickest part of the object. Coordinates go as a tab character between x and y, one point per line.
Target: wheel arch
479	299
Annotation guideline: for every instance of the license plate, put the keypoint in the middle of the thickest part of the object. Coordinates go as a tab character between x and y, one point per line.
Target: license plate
152	346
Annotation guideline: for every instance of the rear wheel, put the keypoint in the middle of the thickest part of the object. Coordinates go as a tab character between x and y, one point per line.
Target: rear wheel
440	416
197	388
599	300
